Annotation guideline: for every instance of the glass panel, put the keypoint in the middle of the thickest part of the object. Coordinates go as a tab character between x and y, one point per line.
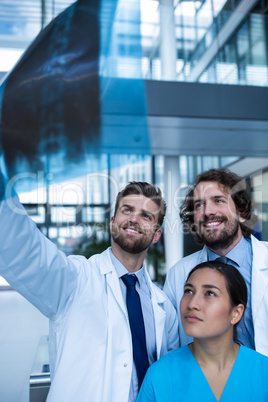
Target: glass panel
183	169
257	38
125	168
63	215
37	214
256	73
134	40
209	75
259	184
69	192
30	186
210	162
94	215
227	73
20	22
159	171
242	40
228	160
204	17
218	6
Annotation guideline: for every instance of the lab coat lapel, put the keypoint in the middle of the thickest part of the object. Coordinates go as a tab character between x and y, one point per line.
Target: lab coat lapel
107	269
259	275
159	314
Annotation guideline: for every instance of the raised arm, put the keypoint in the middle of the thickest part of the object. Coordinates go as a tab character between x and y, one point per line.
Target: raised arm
31	263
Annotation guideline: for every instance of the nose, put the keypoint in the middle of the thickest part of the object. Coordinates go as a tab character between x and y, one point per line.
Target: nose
134	217
194	302
209	208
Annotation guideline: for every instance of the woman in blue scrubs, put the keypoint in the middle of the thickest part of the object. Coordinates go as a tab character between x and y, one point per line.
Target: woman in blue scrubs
215	366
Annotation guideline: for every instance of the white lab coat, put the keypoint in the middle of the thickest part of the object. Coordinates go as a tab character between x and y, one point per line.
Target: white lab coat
177	275
90	340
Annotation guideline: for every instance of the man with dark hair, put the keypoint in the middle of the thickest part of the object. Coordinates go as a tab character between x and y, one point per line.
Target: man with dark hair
149	191
219	212
99	349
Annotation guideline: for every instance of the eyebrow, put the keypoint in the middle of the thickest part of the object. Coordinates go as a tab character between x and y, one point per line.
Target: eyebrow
215	197
127	205
220	196
206	286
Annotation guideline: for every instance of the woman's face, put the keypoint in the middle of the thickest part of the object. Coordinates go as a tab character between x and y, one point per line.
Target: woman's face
205	307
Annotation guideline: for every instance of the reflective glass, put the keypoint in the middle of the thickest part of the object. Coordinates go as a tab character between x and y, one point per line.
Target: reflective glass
133	49
259	184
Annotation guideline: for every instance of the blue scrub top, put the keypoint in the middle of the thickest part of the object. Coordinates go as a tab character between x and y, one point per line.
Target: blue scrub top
178	377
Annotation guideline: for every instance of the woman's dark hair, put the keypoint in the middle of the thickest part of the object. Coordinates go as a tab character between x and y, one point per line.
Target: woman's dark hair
147	190
235	283
238	190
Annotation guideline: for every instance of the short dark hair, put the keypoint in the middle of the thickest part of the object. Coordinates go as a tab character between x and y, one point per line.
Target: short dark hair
235	283
238	191
147	190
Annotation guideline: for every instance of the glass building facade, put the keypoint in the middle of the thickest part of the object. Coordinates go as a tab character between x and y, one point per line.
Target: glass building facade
207	41
216	41
174	43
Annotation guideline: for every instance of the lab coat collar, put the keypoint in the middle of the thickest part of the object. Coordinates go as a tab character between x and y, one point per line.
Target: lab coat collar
158	299
260	254
259	281
106	267
157	296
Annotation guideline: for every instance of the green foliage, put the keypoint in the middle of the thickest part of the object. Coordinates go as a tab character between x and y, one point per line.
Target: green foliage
93	245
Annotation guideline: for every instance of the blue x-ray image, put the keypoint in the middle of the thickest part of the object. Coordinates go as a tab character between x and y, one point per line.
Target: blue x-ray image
67	97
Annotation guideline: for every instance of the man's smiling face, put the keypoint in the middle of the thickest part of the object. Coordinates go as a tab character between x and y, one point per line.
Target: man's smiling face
135	225
216	219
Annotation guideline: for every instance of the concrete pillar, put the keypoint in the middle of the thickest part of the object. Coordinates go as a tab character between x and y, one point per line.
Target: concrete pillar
173	233
168	54
173	236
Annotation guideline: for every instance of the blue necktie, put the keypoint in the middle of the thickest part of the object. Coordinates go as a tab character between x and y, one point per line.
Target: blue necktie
228	261
136	326
224	260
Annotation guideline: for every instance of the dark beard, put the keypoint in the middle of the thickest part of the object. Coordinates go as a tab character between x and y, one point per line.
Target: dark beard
223	241
130	244
132	247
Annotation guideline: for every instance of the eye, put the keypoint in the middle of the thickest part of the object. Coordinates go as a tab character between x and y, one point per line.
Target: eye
188	291
210	293
219	201
126	210
198	205
147	217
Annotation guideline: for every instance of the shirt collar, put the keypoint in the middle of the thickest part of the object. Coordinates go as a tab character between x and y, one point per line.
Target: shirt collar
237	254
121	270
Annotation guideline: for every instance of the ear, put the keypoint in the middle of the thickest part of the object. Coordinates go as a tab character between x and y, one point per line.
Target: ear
111	222
156	236
237	313
241	220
